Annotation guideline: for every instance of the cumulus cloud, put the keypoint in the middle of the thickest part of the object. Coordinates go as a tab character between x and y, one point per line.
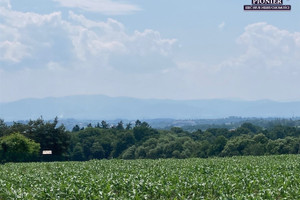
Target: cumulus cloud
51	55
111	36
50	38
267	67
108	43
20	19
150	40
61	54
268	48
32	39
107	7
12	51
5	3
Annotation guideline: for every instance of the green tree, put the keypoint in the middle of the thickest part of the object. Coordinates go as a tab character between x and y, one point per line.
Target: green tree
143	131
260	138
17	148
138	123
129	153
3	128
287	145
176	129
128	126
97	150
126	140
49	135
98	125
251	128
89	125
104	124
120	126
203	149
77	153
238	146
218	146
76	128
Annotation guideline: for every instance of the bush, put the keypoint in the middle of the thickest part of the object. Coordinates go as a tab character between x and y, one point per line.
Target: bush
18	148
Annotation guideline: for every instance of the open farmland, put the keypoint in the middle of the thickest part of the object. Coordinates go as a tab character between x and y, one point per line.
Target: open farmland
266	177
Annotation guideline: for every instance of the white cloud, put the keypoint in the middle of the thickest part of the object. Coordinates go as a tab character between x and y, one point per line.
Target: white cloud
12	51
5	3
49	38
268	48
95	39
150	40
221	26
267	68
10	47
20	19
52	56
23	34
109	43
107	7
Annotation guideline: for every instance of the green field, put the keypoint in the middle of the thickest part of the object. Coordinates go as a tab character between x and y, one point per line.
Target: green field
266	177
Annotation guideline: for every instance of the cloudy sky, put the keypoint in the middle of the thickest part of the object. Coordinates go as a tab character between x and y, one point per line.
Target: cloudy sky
148	49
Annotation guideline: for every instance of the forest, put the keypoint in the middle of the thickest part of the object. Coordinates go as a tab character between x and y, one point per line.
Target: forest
25	142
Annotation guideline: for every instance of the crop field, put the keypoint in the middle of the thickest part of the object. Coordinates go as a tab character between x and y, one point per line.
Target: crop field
266	177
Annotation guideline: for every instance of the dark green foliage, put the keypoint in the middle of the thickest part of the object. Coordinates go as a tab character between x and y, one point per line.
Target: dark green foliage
104	125
3	128
76	128
250	128
217	146
129	153
17	148
105	141
120	126
77	153
128	126
176	130
169	146
89	125
143	131
97	150
92	143
279	132
125	140
287	145
48	135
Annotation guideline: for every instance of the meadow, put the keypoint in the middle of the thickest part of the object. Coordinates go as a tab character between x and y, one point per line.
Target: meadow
264	177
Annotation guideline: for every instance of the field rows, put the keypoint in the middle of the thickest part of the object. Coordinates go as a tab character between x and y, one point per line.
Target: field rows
267	177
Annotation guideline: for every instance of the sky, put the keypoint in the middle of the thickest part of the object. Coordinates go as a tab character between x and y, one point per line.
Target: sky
148	49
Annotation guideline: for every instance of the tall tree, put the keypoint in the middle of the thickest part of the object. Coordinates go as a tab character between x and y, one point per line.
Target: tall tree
120	126
3	128
49	135
104	124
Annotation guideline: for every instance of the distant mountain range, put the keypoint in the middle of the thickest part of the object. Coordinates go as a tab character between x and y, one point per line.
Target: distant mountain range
100	107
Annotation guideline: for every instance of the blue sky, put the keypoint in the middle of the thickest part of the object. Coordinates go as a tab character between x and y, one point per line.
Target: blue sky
148	49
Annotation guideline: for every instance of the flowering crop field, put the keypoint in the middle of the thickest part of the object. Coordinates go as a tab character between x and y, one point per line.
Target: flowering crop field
266	177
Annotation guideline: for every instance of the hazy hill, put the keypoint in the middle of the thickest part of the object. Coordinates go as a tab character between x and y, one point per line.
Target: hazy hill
104	107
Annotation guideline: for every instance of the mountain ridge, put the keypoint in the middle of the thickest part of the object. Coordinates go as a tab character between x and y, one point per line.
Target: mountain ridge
109	108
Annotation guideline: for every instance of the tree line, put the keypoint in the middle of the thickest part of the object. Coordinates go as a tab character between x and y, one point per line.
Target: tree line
21	142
